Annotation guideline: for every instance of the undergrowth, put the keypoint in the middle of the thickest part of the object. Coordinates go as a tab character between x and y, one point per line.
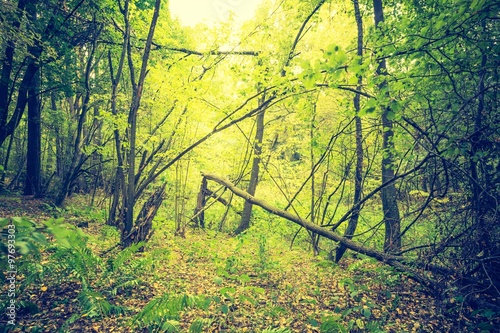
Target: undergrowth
211	282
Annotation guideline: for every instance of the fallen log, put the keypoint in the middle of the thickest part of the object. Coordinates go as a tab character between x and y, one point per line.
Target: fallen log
398	262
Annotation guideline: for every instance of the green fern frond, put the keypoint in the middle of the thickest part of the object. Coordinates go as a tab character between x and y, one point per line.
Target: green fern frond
125	285
277	330
171	326
124	255
332	325
198	324
71	253
162	310
94	304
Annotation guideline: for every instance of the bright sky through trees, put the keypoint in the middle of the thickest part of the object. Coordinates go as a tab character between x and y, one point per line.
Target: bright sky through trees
192	12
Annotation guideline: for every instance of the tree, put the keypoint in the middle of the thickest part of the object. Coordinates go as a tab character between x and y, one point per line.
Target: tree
33	161
33	184
358	175
254	173
78	157
45	32
126	181
7	126
392	220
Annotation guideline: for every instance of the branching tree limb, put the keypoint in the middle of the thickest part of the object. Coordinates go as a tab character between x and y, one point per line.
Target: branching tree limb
398	262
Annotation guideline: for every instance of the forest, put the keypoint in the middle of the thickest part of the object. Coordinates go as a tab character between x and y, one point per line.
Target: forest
323	166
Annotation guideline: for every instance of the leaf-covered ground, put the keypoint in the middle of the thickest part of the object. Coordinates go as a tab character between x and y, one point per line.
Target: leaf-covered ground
251	283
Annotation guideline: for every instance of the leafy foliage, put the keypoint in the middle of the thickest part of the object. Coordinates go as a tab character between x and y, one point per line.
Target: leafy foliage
162	314
111	136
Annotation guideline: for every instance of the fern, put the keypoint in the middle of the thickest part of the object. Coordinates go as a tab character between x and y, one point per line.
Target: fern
94	304
170	326
159	313
71	253
116	263
197	326
332	325
125	285
74	258
277	330
77	261
359	264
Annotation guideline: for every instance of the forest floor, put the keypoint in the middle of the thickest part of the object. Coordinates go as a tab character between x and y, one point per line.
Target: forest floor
251	283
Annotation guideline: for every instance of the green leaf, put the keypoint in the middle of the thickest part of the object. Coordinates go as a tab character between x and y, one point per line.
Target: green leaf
23	247
244	278
4	222
332	325
390	115
364	111
313	322
224	308
218	280
196	326
360	323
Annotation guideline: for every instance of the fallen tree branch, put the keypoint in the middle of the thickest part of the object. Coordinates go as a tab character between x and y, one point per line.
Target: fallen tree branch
400	263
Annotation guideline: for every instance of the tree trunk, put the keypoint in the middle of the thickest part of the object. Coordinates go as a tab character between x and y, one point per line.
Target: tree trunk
130	197
199	211
254	176
392	220
78	156
358	180
119	190
5	80
33	182
33	162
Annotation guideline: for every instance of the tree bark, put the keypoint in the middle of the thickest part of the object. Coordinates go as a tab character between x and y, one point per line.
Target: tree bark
392	220
199	211
5	80
395	261
254	176
130	198
78	156
358	177
33	183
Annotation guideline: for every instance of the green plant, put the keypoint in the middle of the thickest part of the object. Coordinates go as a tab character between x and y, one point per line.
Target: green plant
71	254
263	254
72	257
162	314
332	324
374	327
21	252
199	324
276	330
94	304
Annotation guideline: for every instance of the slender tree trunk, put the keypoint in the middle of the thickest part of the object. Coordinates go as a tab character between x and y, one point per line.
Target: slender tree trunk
5	80
314	237
119	191
358	180
254	175
130	198
6	161
479	203
76	161
33	181
33	162
392	220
